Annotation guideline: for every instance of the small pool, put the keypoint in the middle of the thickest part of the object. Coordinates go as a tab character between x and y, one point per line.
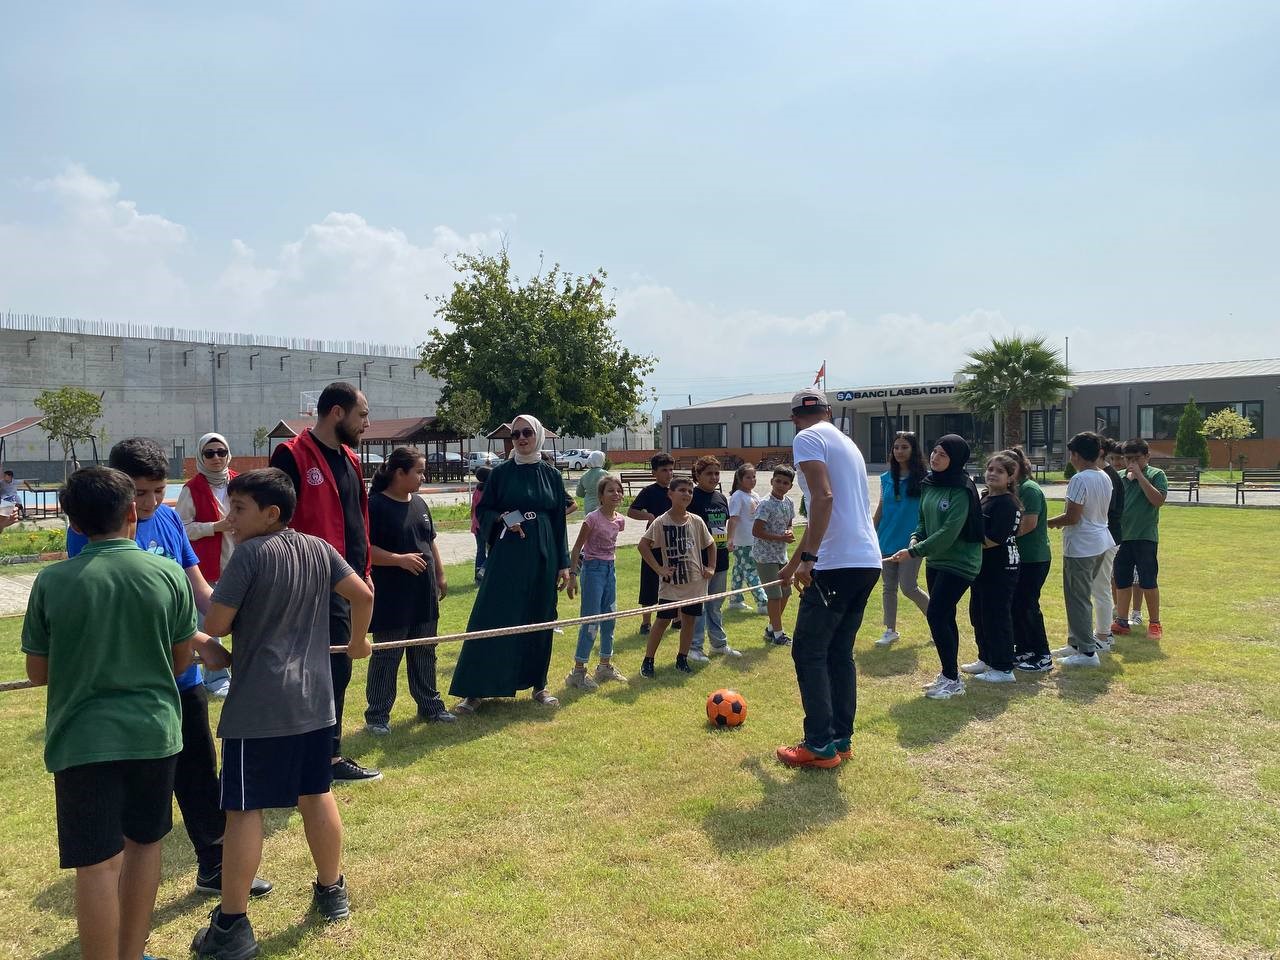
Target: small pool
33	499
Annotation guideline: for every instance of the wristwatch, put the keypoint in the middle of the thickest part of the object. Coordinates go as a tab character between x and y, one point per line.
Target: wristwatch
808	557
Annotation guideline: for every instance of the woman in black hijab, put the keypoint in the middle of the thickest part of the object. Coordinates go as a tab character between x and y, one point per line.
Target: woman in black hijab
949	537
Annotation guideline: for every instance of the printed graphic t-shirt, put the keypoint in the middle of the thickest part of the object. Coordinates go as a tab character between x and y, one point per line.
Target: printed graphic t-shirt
777	517
1000	519
162	534
713	508
682	546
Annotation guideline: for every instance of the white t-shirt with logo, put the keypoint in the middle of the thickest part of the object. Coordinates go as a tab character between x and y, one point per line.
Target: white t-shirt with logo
1090	537
850	540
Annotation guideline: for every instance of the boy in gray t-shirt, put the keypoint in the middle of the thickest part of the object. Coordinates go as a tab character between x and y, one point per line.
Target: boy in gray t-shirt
276	727
772	530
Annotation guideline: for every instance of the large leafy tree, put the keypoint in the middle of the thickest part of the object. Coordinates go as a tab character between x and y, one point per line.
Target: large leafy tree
544	346
69	415
1011	375
1189	441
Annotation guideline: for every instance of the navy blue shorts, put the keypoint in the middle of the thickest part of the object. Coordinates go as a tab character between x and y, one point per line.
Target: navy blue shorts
267	772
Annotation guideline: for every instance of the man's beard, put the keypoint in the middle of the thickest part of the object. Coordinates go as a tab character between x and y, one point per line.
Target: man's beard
345	434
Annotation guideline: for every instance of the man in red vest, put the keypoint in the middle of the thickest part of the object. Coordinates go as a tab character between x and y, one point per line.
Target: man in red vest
334	506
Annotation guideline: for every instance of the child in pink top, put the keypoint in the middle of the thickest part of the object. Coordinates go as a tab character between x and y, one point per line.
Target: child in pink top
593	555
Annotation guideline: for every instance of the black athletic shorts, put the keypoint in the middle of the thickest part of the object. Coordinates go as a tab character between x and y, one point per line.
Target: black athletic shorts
688	610
100	805
1139	555
648	585
269	772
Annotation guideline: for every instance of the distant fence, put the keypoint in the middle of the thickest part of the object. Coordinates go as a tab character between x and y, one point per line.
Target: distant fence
143	331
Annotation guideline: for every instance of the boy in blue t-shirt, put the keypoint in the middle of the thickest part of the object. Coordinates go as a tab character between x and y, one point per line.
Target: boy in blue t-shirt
113	725
195	783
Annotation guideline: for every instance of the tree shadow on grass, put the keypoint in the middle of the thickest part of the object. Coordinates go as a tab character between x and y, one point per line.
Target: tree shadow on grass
793	802
922	722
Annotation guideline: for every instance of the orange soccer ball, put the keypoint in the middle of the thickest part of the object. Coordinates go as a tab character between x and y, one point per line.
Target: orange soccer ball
726	708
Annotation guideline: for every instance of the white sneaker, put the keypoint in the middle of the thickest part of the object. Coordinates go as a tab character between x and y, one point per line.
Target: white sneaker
726	651
976	667
762	609
697	656
996	676
934	682
887	637
1103	644
946	690
1081	660
1066	651
737	604
1135	618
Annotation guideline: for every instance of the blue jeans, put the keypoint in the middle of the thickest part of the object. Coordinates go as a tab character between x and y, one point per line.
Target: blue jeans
599	589
482	552
712	619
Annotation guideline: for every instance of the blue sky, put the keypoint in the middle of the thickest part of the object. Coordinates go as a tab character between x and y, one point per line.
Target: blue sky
769	185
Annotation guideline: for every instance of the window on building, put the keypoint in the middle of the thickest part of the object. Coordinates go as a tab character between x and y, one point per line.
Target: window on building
1106	420
768	433
1040	427
690	436
882	433
1160	421
975	430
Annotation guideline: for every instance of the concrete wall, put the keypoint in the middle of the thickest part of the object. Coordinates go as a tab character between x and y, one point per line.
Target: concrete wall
163	389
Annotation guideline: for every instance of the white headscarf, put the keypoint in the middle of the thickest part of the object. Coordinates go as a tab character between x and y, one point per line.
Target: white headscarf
539	438
216	478
596	458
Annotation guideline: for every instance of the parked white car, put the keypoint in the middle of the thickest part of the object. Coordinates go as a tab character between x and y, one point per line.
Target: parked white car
573	459
481	458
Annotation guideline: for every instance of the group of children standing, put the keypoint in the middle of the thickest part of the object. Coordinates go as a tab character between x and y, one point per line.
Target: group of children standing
995	546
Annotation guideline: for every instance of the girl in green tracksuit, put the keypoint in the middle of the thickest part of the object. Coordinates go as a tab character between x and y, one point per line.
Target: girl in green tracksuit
949	537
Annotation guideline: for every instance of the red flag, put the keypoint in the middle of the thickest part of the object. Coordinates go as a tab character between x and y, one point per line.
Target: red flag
822	372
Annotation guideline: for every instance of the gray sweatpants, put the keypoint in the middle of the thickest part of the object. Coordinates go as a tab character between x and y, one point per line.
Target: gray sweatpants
1078	576
904	576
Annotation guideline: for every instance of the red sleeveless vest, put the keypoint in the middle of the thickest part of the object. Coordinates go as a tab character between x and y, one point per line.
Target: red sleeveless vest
208	549
319	511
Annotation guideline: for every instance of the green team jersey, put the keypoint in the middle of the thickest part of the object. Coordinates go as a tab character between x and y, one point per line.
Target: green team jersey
1033	547
1141	518
944	513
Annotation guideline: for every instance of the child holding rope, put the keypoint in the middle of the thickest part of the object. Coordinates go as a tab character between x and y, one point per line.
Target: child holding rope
593	555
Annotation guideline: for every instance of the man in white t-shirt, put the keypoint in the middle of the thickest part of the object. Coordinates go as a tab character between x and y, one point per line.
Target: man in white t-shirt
1086	546
837	562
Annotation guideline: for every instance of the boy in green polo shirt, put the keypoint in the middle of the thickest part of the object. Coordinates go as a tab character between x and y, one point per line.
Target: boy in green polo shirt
1145	490
113	720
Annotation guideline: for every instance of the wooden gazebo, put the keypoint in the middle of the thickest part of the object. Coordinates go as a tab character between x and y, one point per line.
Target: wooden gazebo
381	436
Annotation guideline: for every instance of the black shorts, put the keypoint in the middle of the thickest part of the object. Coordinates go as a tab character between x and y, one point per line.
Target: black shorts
648	585
1136	556
269	772
100	805
688	610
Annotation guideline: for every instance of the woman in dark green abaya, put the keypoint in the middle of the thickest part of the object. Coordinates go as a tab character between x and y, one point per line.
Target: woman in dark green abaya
528	562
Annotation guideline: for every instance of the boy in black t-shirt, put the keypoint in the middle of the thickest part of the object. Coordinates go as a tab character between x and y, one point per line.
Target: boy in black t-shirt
651	503
713	507
409	582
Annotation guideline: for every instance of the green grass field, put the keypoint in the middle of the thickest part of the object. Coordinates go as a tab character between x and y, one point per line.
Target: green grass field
1127	812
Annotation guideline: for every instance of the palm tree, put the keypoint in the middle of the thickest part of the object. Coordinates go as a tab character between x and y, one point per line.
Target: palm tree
1011	375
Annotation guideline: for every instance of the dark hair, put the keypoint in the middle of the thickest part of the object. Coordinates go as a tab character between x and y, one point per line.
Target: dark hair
606	479
139	459
1011	467
1137	447
1109	446
702	463
738	475
96	499
782	470
1019	456
401	459
268	487
337	394
916	467
8	473
1087	445
661	460
680	482
482	475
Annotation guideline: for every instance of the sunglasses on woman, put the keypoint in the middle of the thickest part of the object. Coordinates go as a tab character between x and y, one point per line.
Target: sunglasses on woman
524	432
210	454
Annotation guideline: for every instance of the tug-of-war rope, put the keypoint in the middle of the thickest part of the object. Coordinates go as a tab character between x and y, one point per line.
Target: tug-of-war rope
7	685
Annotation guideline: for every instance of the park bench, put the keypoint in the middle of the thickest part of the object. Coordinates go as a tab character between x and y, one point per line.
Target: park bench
635	478
1183	474
1039	466
1256	480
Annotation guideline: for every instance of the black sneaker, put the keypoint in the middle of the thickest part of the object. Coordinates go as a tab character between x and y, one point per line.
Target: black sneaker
646	668
644	629
1033	664
436	712
331	902
781	639
234	943
211	882
347	771
682	664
